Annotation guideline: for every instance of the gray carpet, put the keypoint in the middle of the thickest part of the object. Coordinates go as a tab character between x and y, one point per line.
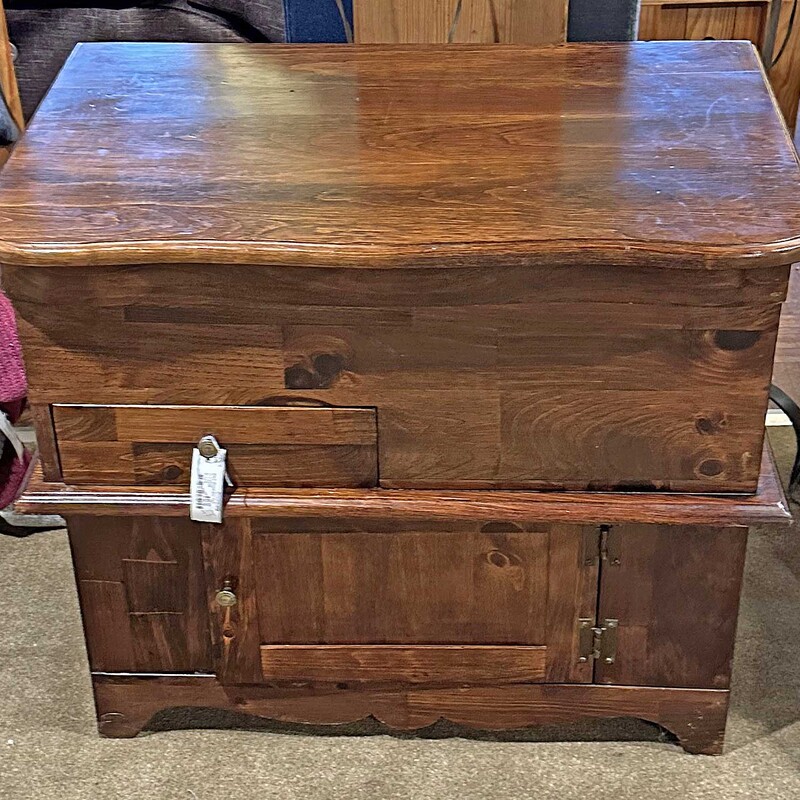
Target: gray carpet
49	747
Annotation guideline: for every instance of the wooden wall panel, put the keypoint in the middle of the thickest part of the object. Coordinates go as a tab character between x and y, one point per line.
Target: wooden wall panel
8	83
484	21
701	19
710	22
785	74
662	23
8	78
750	22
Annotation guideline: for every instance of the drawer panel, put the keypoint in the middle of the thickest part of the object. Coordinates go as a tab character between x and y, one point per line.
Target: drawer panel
268	446
403	664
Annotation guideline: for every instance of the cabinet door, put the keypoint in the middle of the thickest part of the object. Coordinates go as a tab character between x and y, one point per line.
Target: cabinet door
675	594
400	603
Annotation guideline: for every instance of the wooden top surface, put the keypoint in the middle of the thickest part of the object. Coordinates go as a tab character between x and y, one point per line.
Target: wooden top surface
767	506
669	154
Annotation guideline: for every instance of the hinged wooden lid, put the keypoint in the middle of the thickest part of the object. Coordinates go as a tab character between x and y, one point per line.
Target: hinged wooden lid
669	154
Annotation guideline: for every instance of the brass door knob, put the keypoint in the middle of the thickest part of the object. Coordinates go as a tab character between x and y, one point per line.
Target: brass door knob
225	596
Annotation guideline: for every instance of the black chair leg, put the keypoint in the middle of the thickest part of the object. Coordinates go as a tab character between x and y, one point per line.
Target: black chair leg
792	410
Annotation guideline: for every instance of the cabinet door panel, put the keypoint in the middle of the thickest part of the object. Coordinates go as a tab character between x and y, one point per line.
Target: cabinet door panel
675	592
402	600
414	587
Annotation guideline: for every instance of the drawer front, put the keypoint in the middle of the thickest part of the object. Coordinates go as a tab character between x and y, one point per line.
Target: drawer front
267	446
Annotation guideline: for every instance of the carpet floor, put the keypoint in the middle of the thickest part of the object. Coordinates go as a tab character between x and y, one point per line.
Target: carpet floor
49	747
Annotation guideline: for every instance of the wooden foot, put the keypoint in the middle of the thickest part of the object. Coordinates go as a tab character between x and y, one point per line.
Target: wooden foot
126	703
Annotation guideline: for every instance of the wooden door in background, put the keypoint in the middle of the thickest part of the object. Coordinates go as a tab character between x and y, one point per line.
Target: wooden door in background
468	21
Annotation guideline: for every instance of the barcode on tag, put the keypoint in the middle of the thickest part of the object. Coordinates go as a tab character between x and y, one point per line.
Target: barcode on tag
206	486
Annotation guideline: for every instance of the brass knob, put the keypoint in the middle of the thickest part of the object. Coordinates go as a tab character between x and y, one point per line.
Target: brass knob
225	596
207	447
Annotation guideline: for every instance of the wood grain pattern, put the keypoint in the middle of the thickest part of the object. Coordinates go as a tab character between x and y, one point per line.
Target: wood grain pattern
751	20
550	127
732	19
8	83
140	584
106	624
703	19
491	584
636	396
662	23
441	21
228	556
675	592
125	704
710	22
277	446
430	664
784	76
768	505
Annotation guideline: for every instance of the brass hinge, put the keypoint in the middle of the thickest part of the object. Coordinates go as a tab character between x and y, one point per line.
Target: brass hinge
601	546
597	642
609	547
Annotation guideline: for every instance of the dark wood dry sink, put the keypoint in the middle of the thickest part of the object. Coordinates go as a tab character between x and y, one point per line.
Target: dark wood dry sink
407	289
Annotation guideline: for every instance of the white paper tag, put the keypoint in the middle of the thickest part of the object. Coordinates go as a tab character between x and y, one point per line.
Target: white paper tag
206	486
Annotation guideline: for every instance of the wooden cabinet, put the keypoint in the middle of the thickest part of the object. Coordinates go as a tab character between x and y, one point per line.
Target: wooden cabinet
407	610
486	335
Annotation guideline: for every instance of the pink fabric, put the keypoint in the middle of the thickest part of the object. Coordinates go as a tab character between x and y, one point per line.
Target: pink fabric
12	474
13	388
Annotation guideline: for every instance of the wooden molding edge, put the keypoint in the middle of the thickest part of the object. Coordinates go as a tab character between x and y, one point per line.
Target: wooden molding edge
126	704
767	506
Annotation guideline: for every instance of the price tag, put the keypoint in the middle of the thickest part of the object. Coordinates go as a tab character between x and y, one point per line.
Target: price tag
207	482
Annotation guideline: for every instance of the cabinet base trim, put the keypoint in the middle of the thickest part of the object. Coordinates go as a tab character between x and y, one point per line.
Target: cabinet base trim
126	703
